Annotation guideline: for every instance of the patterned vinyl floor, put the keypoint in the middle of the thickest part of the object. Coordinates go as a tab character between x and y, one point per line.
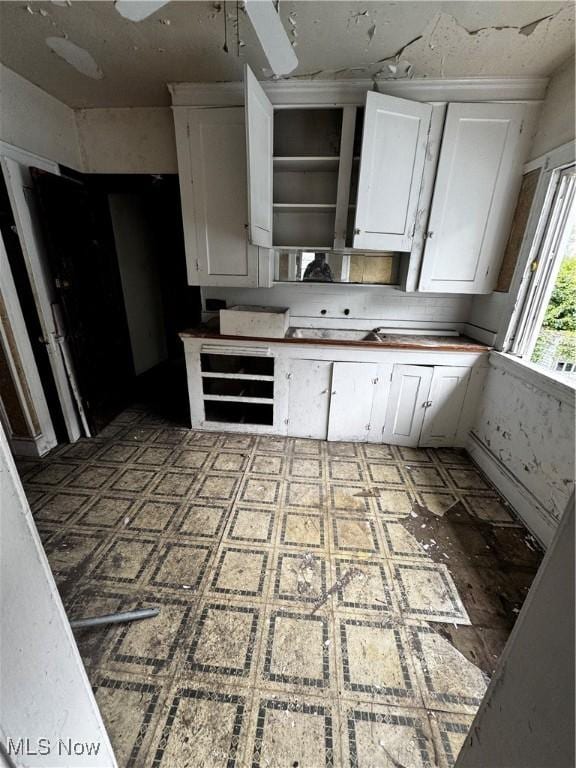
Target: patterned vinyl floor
321	604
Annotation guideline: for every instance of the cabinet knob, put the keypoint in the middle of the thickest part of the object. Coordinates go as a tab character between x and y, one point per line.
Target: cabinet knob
356	231
429	234
333	392
427	404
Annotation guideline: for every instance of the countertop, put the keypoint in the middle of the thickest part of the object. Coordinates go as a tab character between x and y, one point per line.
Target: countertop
392	341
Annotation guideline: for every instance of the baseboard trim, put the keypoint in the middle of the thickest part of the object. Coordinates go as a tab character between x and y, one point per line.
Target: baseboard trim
523	501
27	447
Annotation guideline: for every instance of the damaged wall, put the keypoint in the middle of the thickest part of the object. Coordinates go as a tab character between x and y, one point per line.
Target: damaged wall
524	438
33	120
556	126
132	140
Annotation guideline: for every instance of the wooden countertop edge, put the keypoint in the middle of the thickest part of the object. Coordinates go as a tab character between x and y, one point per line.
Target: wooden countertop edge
457	347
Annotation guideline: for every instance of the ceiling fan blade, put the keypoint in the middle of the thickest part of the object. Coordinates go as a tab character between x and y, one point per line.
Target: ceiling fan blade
272	36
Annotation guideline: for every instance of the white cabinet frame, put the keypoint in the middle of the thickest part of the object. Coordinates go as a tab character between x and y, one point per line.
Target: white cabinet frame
217	251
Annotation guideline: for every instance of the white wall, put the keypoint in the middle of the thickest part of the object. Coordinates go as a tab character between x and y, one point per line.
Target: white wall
369	307
556	126
524	438
526	719
139	271
136	140
32	120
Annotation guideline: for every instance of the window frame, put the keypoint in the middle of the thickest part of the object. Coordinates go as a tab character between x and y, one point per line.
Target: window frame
511	336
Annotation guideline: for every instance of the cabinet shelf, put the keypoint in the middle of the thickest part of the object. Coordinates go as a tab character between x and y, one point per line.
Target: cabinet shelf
304	207
286	163
241	376
238	399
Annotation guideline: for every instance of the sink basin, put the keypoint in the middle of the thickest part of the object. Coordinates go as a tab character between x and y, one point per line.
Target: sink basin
333	334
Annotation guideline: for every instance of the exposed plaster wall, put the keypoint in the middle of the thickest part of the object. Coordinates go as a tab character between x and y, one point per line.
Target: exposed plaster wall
133	140
557	118
33	120
524	432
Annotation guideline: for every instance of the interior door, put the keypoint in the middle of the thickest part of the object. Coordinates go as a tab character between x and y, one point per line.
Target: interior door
353	386
309	398
217	141
447	394
46	695
82	260
477	182
391	166
27	221
407	404
260	150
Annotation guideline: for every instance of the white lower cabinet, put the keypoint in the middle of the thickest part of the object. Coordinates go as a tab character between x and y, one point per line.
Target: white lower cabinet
353	387
310	383
447	395
260	388
407	402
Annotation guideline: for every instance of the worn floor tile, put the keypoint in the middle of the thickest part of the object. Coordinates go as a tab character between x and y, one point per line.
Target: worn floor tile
307	619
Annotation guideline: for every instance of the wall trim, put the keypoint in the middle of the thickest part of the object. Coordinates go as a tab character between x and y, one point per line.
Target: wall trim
478	333
523	501
33	447
317	92
548	382
24	157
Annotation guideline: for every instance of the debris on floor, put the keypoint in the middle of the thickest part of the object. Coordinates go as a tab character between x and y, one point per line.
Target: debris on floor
321	604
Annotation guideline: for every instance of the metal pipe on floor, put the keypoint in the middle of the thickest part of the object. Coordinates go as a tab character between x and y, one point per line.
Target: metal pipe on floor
115	618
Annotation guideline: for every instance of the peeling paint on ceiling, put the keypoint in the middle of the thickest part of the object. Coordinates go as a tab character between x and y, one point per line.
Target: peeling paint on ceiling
211	41
78	58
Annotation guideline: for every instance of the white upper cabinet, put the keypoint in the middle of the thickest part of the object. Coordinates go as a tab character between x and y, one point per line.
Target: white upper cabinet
476	186
391	167
259	149
212	169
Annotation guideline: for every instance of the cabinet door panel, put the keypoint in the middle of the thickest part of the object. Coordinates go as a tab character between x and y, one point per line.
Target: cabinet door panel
447	393
406	404
259	143
309	398
353	387
215	221
391	167
476	185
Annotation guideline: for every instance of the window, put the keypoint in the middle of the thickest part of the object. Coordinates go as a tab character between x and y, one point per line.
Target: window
545	332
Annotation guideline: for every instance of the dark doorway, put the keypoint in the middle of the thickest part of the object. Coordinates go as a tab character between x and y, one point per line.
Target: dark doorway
83	262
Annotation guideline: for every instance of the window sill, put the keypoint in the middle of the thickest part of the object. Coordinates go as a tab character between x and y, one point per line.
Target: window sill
546	381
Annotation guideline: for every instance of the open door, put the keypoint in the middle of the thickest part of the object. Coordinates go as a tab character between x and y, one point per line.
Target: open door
48	714
260	150
391	167
84	266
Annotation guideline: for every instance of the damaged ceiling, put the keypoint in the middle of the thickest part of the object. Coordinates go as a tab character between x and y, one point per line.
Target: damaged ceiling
89	55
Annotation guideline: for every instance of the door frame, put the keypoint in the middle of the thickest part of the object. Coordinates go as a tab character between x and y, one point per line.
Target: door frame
15	175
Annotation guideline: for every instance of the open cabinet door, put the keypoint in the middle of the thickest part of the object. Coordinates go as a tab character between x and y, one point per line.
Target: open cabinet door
259	148
391	167
48	714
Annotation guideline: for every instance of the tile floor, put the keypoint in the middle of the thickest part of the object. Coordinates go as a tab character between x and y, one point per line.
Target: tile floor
321	604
